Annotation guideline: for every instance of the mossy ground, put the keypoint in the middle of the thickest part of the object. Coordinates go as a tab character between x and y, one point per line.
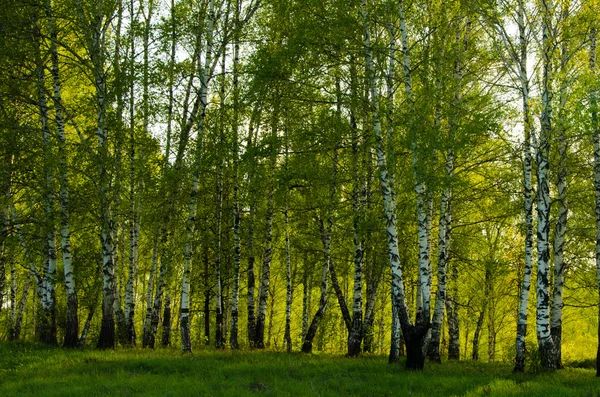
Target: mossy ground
31	370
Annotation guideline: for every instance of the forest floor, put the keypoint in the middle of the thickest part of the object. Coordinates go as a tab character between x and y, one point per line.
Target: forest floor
31	370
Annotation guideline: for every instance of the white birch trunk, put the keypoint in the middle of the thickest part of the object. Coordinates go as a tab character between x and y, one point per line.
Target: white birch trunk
134	216
561	222
527	192
233	335
219	309
545	343
72	328
355	334
93	29
266	270
184	324
413	335
46	327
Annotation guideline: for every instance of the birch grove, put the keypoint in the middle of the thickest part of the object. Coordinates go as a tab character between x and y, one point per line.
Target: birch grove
302	176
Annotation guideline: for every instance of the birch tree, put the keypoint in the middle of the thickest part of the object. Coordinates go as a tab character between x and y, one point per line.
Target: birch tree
72	328
545	342
595	130
413	333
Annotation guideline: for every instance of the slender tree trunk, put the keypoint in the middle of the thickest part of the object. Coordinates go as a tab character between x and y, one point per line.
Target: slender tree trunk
476	335
305	298
233	335
72	326
527	193
491	306
394	356
46	328
166	335
207	296
147	337
268	255
307	343
259	337
453	325
3	233
184	322
355	334
86	327
93	27
288	272
134	211
422	194
561	222
414	335
596	138
150	338
445	223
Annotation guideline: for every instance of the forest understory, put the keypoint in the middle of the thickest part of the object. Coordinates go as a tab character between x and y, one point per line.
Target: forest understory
35	370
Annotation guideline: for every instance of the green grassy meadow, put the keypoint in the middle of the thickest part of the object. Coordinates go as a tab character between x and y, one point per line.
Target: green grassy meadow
31	370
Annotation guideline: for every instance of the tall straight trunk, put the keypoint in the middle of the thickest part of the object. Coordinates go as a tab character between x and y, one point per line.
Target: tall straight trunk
527	192
3	233
219	309
147	334
422	194
413	334
305	297
477	334
150	338
259	336
445	222
251	327
166	334
207	296
134	216
235	293
118	126
72	325
453	324
288	273
561	222
93	26
12	319
268	254
595	129
355	333
394	356
490	306
544	337
369	320
46	327
184	322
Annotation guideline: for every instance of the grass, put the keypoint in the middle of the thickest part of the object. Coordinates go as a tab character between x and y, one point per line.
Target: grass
31	370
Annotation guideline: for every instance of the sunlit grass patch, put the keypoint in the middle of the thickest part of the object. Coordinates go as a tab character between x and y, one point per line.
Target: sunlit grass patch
30	370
